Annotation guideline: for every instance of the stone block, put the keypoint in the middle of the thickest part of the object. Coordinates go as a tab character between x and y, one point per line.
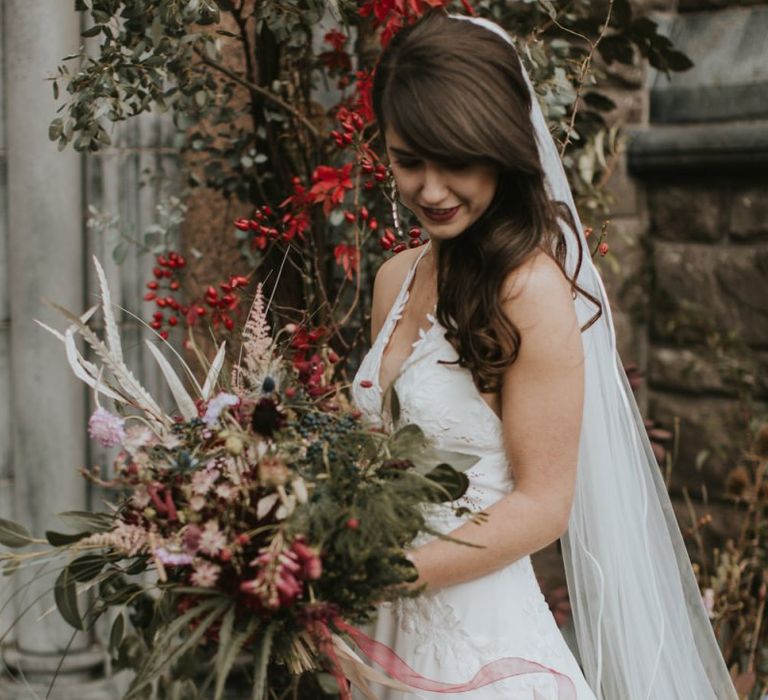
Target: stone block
698	371
699	289
712	437
622	190
694	211
748	216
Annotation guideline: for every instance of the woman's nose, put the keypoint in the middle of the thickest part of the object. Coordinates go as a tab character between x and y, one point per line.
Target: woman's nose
433	188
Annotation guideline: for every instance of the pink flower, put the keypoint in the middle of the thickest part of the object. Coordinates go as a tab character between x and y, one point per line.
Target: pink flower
203	480
106	428
212	540
205	575
310	563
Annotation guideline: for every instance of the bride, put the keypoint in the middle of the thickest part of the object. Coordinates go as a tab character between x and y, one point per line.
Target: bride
498	339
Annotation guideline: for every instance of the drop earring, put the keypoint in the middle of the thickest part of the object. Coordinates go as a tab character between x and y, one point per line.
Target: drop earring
393	199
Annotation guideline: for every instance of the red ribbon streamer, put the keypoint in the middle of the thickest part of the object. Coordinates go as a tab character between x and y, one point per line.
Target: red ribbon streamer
492	672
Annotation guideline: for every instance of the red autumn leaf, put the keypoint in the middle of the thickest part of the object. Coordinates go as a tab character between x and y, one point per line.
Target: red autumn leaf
347	256
330	185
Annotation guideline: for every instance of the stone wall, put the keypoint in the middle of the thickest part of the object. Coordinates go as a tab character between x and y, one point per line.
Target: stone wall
699	187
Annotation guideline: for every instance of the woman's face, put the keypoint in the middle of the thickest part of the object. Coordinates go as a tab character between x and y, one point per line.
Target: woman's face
445	199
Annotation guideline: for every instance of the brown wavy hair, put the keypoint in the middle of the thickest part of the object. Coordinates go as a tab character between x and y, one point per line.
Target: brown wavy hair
454	91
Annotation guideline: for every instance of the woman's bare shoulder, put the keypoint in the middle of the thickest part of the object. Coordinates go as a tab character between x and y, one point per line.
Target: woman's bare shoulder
389	279
538	283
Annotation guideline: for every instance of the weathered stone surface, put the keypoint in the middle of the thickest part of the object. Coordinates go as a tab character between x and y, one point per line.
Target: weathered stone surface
623	191
687	212
748	216
729	77
697	371
699	288
717	426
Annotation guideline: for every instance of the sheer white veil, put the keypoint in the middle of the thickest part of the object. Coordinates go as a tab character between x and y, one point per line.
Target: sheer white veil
641	627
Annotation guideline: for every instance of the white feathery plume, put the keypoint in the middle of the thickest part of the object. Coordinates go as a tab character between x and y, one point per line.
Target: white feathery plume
112	333
213	372
85	371
122	374
183	400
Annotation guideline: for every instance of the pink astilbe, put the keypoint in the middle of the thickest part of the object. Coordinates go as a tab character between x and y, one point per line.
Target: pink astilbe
256	347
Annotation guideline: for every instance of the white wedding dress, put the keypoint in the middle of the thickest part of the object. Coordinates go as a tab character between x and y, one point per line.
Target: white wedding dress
449	634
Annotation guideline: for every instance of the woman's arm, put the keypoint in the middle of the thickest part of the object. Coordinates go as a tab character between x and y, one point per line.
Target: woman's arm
542	402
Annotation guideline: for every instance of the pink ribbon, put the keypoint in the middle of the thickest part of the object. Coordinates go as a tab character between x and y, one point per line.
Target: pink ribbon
492	672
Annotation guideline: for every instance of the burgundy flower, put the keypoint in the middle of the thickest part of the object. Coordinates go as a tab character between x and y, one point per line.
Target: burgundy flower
267	418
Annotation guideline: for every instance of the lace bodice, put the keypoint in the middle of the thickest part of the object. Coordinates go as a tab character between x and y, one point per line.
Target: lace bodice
440	398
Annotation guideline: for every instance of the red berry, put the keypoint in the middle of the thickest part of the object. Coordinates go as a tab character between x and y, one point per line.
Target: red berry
290	392
385	243
366	383
162	303
152	285
353	523
243	539
349	216
173	320
414	243
175	285
399	248
164	335
380	177
603	249
161	260
157	272
389	234
414	232
229	324
158	315
157	325
363	213
225	554
587	231
366	166
373	224
333	358
200	310
149	296
242	224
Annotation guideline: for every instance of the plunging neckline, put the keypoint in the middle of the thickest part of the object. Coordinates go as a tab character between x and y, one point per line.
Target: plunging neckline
391	322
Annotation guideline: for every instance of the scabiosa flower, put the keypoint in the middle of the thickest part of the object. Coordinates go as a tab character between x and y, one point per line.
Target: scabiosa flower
216	405
212	540
205	575
106	428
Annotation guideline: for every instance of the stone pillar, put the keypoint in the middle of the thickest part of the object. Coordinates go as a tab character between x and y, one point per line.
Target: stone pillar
45	260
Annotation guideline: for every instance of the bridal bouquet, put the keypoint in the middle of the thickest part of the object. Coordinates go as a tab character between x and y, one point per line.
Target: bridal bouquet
260	519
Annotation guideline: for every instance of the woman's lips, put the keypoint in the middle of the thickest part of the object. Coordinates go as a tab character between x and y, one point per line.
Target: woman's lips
440	215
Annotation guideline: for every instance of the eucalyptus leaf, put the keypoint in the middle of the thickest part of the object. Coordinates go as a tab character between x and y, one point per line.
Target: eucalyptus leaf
65	595
92	522
62	539
116	634
14	535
